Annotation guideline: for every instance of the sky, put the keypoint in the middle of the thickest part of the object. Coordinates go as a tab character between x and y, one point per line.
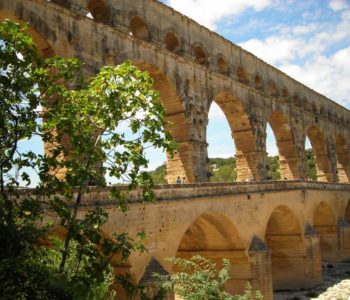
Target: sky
307	39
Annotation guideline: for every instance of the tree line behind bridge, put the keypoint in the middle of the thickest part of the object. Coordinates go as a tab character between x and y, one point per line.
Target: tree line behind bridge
224	169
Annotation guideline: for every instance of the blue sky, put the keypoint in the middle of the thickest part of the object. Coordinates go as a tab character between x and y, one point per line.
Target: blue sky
307	39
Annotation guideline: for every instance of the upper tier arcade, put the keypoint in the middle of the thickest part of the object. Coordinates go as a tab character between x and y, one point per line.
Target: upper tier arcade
192	67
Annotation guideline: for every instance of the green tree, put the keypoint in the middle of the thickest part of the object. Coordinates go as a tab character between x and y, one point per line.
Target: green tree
159	174
273	168
82	120
222	169
198	278
310	165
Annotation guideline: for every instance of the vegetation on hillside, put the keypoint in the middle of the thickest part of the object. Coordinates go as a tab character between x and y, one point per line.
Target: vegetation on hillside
224	169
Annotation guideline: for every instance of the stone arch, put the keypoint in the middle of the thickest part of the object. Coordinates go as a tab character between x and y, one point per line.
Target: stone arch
181	163
99	10
289	163
242	75
306	104
296	100
325	225
242	133
343	159
272	88
200	55
285	95
213	236
288	250
171	41
45	49
222	65
258	81
138	28
319	148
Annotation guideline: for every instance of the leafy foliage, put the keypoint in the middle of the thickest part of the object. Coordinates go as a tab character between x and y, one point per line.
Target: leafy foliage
159	174
82	120
273	166
198	278
310	165
224	169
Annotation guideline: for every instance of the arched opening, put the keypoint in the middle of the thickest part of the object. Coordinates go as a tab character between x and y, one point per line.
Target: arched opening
200	56
289	165
43	46
310	170
222	164
99	10
296	100
306	104
171	42
242	133
273	164
242	75
285	95
259	84
288	250
343	159
138	28
325	225
214	237
181	163
272	89
222	66
319	148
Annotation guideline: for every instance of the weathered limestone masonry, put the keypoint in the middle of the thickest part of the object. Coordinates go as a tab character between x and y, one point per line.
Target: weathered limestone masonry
192	67
275	233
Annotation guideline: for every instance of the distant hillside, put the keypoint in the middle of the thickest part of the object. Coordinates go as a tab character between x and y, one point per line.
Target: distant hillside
224	169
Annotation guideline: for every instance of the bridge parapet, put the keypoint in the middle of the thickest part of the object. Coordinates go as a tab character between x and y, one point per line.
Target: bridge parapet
173	192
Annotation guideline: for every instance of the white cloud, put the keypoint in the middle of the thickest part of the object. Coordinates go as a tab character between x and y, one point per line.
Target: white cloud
328	75
274	49
337	5
321	68
209	12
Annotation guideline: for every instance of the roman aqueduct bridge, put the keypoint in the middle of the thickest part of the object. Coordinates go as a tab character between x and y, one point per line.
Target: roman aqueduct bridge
192	67
275	233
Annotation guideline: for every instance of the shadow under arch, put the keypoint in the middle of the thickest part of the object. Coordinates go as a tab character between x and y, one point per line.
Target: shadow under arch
181	163
139	28
325	225
288	250
343	159
289	167
213	236
319	148
242	133
99	10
